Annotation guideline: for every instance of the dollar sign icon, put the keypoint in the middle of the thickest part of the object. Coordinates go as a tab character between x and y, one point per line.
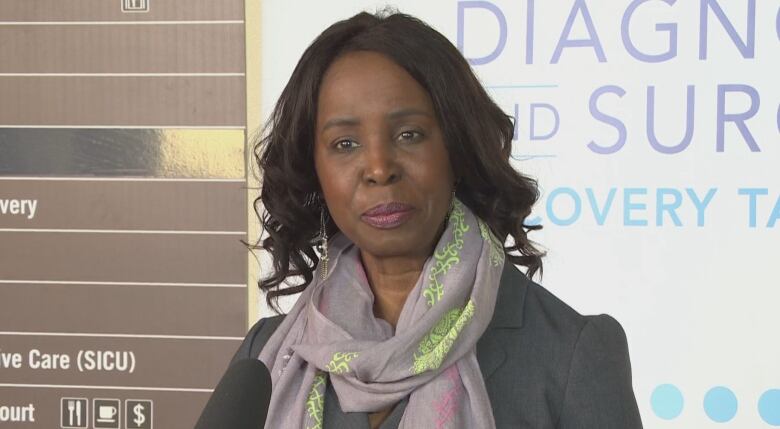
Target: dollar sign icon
139	419
138	414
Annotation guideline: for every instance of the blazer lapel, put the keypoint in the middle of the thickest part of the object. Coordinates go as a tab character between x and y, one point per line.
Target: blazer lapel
334	417
507	316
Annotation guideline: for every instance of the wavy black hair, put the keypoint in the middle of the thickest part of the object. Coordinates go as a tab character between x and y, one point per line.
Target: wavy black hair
477	133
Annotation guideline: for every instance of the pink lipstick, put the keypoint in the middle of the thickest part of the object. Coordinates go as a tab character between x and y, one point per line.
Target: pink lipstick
388	216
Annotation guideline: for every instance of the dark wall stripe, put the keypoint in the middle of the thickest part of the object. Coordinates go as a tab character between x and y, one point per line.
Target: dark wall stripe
138	101
153	310
159	362
122	258
122	49
199	206
110	10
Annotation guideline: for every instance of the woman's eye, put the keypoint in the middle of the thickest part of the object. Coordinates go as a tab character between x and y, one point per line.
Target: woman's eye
345	145
409	135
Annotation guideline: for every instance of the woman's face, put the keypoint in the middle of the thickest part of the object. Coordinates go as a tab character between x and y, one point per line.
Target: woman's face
380	157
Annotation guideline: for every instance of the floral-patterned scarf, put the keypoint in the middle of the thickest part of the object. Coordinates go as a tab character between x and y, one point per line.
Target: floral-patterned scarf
332	333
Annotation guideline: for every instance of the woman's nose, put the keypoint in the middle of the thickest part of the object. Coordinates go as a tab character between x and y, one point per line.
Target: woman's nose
381	164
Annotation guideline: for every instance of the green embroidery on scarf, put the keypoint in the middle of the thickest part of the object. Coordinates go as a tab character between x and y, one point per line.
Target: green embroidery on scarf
496	249
435	346
339	364
315	404
449	255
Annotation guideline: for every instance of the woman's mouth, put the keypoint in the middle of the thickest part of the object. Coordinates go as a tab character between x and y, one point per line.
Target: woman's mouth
388	215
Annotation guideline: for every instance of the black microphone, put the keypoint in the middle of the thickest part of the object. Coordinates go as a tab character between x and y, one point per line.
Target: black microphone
241	398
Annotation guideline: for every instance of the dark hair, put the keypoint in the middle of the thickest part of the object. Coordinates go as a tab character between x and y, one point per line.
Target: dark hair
478	135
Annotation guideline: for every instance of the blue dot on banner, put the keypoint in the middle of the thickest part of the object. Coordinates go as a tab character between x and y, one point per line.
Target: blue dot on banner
769	407
720	404
667	401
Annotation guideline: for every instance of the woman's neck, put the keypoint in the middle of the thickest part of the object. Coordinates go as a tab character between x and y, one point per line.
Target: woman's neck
391	280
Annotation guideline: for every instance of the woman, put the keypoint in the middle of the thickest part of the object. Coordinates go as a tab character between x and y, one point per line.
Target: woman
386	153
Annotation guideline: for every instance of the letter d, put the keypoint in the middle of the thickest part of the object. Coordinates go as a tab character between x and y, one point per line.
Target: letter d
556	120
490	7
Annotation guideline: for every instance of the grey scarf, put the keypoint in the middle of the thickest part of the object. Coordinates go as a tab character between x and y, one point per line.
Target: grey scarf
331	332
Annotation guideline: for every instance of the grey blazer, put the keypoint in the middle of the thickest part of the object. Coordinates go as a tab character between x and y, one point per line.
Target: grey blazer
544	365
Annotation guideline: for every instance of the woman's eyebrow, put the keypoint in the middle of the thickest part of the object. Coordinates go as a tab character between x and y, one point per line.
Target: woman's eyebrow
340	122
350	121
409	111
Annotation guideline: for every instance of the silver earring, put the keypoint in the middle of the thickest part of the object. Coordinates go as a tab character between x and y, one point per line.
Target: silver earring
452	207
323	243
311	199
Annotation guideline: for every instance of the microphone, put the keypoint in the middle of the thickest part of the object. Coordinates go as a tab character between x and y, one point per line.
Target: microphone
241	398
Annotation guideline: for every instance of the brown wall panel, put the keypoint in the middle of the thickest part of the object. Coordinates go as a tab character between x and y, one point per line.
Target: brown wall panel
122	49
122	257
87	290
135	101
110	10
147	205
158	362
158	310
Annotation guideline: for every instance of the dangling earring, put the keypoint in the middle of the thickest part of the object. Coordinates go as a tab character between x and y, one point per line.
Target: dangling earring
452	207
311	199
323	243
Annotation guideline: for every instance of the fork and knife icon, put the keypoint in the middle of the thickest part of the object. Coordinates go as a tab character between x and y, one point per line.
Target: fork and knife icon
76	413
74	405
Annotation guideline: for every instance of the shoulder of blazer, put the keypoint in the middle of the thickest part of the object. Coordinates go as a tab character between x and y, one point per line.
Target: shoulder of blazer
521	300
528	322
256	338
542	360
